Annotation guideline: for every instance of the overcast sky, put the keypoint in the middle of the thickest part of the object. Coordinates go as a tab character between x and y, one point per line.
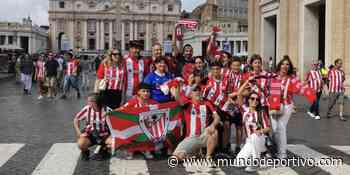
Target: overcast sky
15	10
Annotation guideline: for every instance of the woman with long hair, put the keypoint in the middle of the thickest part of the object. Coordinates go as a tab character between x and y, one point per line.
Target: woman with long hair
112	71
256	124
287	80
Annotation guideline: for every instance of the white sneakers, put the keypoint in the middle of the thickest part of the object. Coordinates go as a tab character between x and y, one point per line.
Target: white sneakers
40	97
251	169
317	117
311	114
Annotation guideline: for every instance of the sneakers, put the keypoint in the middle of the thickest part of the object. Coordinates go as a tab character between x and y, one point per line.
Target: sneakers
342	118
317	117
251	169
148	155
40	97
85	155
311	114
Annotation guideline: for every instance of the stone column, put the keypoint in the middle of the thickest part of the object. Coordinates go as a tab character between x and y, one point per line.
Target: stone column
6	39
29	44
135	31
148	36
110	34
18	41
131	27
97	35
161	33
102	45
123	37
85	35
71	34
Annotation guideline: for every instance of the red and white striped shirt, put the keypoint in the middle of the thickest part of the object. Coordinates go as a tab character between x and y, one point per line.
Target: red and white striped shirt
260	85
234	81
314	79
95	120
251	122
216	91
136	103
197	117
336	79
116	76
40	70
136	71
72	67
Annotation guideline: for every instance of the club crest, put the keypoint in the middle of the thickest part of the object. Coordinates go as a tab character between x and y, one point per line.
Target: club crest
155	124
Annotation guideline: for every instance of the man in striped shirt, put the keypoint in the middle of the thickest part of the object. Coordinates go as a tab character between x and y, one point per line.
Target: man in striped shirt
71	75
336	78
314	80
95	130
201	121
136	67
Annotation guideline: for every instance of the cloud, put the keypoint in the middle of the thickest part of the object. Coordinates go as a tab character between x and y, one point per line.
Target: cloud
16	10
189	5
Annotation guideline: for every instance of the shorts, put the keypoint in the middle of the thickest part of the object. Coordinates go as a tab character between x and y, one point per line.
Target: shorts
235	119
191	145
94	140
338	96
51	81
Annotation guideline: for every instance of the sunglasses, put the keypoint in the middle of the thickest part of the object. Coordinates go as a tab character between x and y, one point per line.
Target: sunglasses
254	98
115	54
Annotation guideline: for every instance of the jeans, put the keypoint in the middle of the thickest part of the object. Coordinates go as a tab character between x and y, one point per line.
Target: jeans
315	107
27	81
70	81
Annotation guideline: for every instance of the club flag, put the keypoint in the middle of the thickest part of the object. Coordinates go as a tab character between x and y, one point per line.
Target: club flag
145	128
305	90
309	93
275	94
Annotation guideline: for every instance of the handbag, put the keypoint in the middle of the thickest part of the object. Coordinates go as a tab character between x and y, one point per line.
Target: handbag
102	84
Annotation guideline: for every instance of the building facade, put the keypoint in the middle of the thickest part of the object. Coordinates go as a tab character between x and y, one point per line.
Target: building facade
230	16
102	24
23	36
306	30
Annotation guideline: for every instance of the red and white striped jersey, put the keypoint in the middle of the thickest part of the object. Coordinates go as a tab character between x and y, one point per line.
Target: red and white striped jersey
197	117
72	67
251	122
136	103
216	91
336	79
260	85
115	76
95	120
234	81
40	70
314	78
136	71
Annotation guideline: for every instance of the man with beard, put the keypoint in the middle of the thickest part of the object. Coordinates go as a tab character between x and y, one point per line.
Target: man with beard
183	58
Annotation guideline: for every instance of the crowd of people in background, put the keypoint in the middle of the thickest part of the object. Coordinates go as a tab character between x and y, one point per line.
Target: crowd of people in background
217	91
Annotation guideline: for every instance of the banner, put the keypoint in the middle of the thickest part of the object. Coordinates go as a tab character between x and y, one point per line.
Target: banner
145	128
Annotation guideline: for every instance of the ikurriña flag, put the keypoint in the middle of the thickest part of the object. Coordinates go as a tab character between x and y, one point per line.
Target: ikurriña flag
145	128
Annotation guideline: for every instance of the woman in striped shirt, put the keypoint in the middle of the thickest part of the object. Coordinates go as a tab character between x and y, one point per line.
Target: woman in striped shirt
113	71
256	124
